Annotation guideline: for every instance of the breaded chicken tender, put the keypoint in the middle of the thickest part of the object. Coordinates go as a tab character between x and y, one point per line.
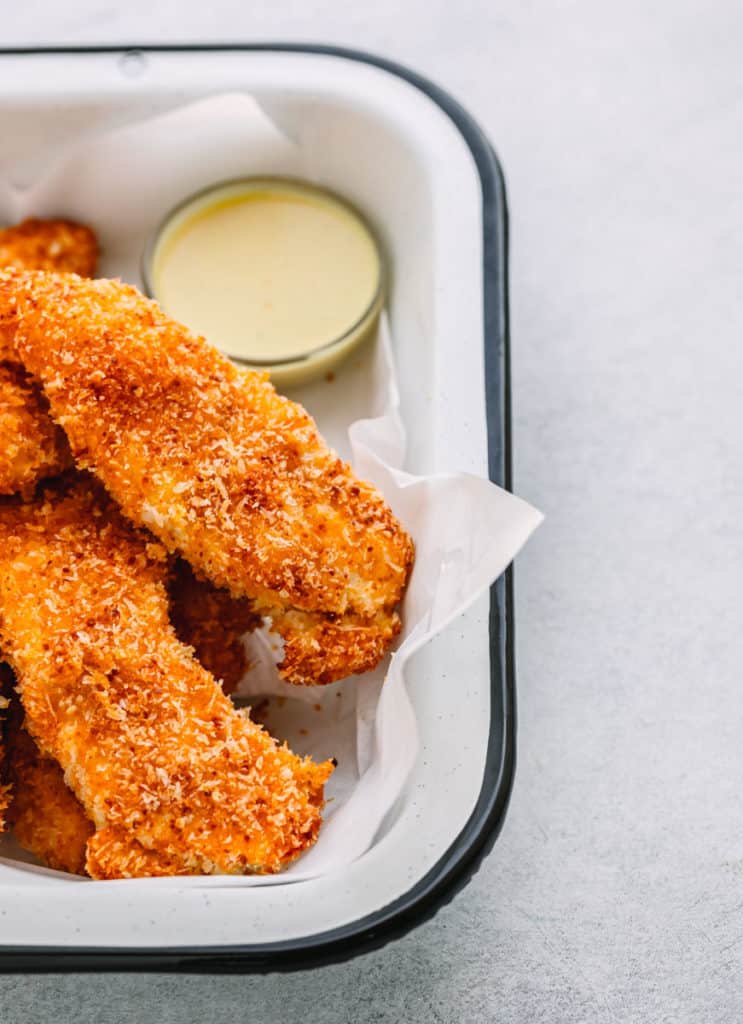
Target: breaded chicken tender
221	468
31	446
47	818
174	779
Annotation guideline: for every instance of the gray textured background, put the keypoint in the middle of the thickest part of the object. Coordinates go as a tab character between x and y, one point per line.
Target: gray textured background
616	890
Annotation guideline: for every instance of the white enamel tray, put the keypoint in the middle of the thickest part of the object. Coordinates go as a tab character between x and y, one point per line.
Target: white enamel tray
417	164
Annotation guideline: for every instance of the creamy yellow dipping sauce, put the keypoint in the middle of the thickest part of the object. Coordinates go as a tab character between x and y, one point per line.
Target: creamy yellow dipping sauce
268	271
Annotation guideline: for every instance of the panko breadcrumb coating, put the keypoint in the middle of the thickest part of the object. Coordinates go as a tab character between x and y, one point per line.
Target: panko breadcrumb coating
149	743
58	245
213	623
47	818
54	245
6	677
31	446
49	821
9	282
112	853
220	467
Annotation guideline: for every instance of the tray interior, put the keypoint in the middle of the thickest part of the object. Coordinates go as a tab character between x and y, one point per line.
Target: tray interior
385	145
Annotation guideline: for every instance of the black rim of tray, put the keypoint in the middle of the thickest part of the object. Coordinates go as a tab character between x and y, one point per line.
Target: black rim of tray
463	857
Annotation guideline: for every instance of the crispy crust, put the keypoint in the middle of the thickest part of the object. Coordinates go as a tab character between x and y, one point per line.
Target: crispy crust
57	245
112	853
6	789
218	465
321	649
213	623
31	446
47	819
54	245
152	748
9	283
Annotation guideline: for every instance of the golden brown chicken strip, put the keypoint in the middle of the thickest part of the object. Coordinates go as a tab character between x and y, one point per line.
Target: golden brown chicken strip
31	447
221	468
149	743
47	818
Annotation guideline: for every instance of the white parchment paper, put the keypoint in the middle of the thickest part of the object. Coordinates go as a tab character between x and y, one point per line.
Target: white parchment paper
466	530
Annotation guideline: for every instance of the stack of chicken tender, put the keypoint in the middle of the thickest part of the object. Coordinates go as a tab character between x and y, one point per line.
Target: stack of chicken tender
157	504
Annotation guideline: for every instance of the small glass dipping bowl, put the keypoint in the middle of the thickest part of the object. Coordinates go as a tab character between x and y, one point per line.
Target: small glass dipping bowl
279	274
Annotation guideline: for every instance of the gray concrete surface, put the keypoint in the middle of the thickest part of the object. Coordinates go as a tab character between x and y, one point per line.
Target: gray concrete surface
615	893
